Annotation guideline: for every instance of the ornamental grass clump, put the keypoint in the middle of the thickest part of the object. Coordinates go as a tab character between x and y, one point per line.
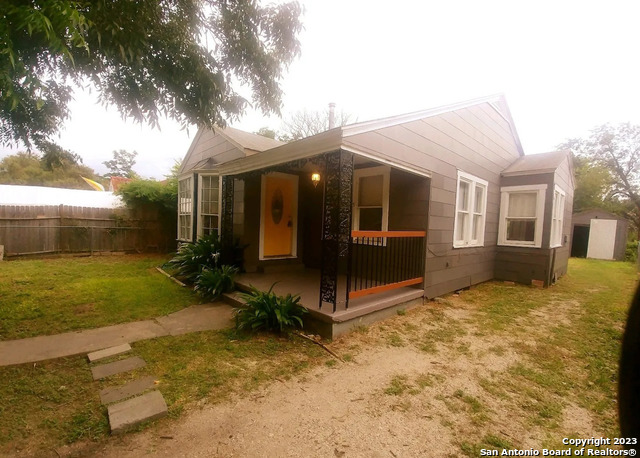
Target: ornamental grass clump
264	311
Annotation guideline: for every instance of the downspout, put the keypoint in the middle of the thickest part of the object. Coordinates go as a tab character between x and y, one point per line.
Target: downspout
553	267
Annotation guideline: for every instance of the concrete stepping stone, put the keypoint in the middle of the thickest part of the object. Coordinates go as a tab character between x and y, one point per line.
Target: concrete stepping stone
134	388
117	367
107	352
128	414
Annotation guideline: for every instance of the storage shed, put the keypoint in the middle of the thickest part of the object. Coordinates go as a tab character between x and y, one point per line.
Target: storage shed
599	234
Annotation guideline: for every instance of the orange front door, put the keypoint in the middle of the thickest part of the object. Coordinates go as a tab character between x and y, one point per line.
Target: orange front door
279	215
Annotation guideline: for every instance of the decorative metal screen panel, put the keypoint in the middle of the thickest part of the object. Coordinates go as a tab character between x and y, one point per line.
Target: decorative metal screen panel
336	222
226	224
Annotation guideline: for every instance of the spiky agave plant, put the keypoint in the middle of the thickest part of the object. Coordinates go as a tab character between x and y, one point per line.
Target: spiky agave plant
212	283
266	311
192	258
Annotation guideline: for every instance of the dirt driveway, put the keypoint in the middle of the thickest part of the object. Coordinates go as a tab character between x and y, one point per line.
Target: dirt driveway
432	382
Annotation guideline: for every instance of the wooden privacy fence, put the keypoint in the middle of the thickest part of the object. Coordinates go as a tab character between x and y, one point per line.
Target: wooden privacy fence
33	230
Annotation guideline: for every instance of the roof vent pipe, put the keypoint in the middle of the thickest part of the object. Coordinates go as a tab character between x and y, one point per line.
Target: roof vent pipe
332	115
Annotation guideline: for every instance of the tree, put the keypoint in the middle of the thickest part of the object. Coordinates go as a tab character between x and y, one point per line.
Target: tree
29	169
176	57
613	151
266	132
55	157
122	164
304	123
593	183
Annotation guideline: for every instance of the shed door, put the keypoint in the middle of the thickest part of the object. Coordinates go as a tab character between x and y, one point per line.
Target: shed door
602	238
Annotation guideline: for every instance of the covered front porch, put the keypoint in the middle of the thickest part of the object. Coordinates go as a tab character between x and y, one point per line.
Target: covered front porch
324	320
345	232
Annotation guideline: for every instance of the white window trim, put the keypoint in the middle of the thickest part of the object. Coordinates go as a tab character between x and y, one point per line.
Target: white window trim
557	243
474	181
200	214
180	213
385	171
504	206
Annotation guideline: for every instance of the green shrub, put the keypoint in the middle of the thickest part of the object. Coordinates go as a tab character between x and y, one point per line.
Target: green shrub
212	283
268	312
631	253
192	258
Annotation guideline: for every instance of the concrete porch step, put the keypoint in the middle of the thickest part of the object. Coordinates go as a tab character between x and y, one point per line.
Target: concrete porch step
281	266
234	298
128	414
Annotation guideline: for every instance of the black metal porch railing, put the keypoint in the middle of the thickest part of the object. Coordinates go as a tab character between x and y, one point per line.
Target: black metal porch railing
384	260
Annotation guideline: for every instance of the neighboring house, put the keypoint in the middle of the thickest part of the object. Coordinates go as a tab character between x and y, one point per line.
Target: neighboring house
599	234
416	205
115	183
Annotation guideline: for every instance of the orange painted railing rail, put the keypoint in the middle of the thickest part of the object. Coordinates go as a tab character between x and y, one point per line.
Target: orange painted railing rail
388	233
383	288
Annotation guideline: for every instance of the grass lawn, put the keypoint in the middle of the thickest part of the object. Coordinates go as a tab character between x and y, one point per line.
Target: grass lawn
51	296
558	350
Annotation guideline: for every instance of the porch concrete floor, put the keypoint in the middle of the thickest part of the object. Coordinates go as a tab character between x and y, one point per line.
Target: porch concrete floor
306	283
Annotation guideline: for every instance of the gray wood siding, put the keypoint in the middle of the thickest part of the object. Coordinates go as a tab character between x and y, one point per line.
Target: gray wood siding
523	264
475	140
209	145
408	201
564	179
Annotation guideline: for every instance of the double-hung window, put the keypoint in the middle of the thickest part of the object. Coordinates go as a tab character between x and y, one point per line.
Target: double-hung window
371	199
521	215
209	204
471	210
557	217
185	209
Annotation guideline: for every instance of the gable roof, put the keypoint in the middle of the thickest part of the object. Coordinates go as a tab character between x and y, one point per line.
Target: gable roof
247	140
497	101
334	139
244	144
537	163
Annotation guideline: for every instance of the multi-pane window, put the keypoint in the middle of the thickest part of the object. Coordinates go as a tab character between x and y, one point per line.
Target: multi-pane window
521	215
209	204
371	199
557	217
471	208
185	209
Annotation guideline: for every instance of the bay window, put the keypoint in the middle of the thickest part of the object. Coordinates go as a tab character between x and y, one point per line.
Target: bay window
521	215
557	217
185	209
209	204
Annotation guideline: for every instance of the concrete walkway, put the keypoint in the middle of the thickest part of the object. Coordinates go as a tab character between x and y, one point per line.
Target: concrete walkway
191	319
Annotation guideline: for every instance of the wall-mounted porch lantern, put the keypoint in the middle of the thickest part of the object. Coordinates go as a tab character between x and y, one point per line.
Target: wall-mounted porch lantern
315	179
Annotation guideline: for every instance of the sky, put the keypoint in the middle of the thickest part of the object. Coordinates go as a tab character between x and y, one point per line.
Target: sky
564	67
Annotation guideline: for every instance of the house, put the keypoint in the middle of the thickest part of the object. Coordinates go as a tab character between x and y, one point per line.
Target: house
363	218
599	234
115	183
